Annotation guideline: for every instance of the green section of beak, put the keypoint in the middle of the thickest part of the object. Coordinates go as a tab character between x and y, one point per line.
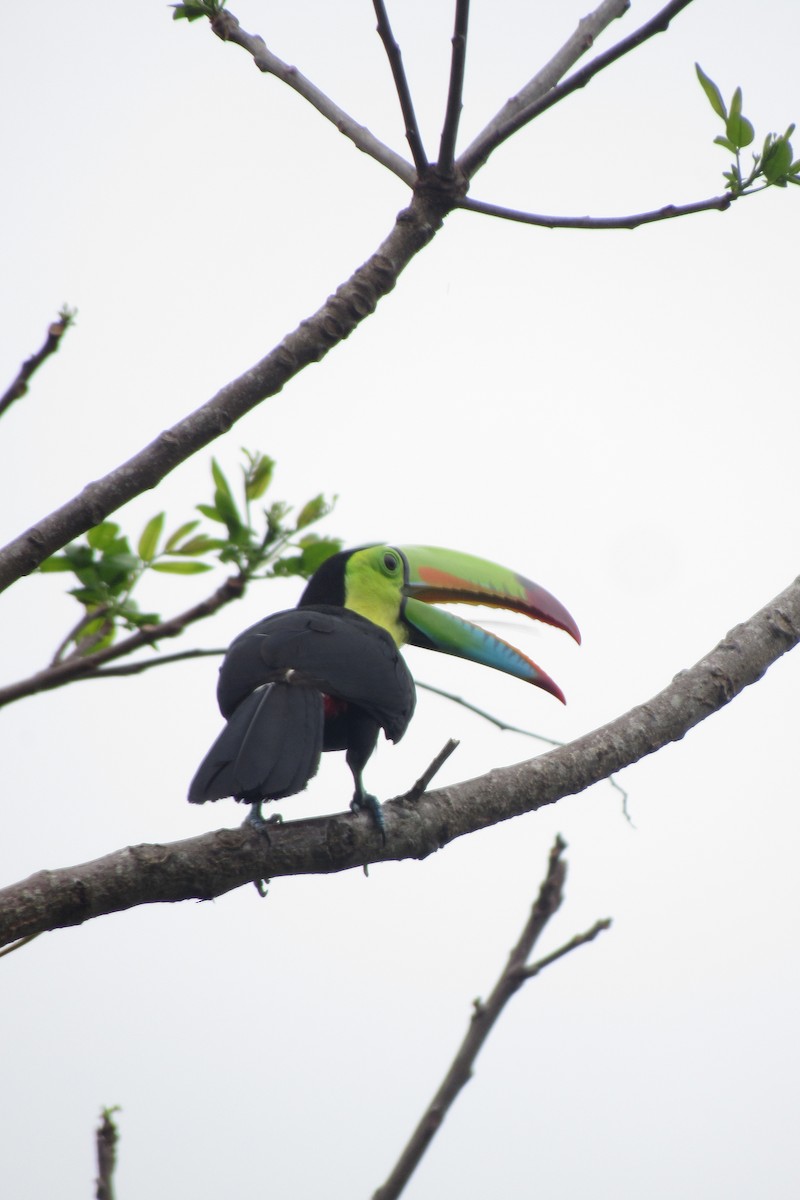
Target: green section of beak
436	575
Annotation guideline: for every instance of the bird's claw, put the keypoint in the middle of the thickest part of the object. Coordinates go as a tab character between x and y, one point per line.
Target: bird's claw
256	820
364	802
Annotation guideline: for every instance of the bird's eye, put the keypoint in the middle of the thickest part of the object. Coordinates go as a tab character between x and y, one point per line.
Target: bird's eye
390	562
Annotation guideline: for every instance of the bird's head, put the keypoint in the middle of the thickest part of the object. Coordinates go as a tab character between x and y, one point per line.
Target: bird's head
396	586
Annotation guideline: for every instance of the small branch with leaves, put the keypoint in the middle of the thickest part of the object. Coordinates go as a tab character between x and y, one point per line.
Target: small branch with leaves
108	570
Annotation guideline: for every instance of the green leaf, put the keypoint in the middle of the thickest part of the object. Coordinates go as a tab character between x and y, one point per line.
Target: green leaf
102	535
736	103
58	562
199	545
712	92
723	141
181	567
315	552
148	542
179	534
220	479
259	476
739	130
777	161
313	511
116	570
208	510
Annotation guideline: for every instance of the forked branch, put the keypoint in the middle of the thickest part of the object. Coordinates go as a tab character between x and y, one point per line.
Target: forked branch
516	972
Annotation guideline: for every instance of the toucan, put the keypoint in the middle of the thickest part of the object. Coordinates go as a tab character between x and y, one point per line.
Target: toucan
328	675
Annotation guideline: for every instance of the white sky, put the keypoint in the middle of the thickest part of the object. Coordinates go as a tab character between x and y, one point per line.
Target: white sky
613	414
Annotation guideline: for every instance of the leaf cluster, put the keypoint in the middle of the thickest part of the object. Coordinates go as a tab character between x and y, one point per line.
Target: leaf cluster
774	166
273	541
197	9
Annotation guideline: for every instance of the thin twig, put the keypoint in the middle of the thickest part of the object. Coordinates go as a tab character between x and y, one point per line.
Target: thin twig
52	342
23	941
455	93
715	203
485	1016
511	115
580	939
226	27
487	716
144	664
393	53
425	778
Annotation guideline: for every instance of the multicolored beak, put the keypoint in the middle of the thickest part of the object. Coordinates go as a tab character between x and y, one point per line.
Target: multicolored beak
436	576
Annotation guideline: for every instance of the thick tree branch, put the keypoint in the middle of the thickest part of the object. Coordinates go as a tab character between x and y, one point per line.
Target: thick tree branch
212	864
455	92
52	342
413	136
714	204
513	114
485	1016
226	27
308	343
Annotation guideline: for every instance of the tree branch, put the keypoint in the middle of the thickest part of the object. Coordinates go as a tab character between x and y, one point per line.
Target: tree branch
485	1017
228	29
413	136
715	203
447	145
212	864
341	313
52	342
87	666
106	1140
514	112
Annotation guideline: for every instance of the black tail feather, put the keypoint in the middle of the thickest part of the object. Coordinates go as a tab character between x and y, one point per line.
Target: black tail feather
269	749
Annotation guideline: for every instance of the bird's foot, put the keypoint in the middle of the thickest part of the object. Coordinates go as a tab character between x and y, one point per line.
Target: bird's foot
256	820
364	802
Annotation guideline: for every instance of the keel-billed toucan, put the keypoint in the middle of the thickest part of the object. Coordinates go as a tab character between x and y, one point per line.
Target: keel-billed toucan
328	675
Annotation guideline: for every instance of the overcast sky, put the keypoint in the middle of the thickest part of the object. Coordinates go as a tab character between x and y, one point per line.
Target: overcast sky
613	414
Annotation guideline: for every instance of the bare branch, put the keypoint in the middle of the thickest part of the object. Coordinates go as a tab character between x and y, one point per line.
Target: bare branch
226	27
106	1141
427	775
413	136
145	664
513	114
19	944
714	204
52	342
487	716
580	939
87	666
341	313
212	864
485	1017
447	146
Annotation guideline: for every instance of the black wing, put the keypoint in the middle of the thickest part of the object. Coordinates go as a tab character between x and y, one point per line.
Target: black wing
334	650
